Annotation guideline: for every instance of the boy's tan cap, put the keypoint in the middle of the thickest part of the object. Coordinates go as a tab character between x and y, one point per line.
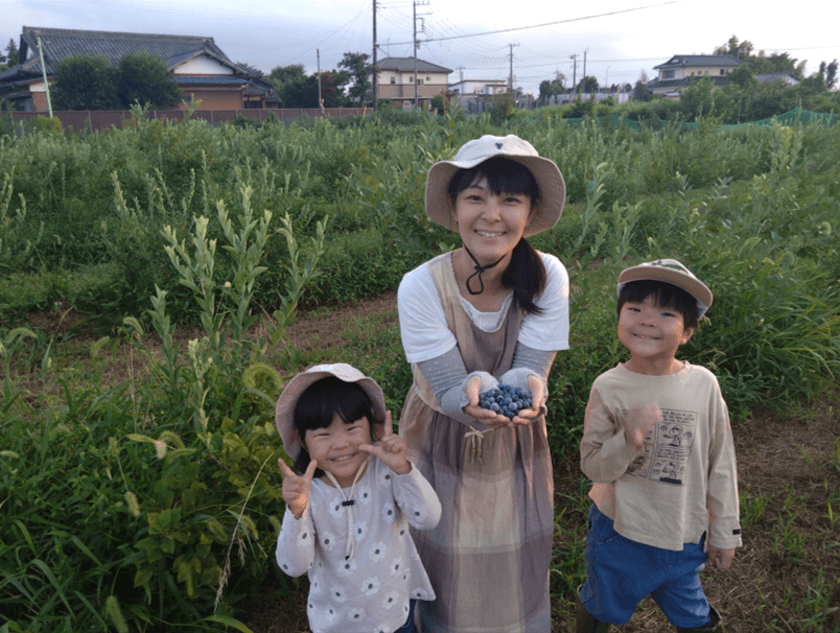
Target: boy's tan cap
284	413
545	171
673	272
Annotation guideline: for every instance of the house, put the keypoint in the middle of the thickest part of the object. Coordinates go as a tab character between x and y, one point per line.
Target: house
679	71
198	66
474	94
396	80
788	78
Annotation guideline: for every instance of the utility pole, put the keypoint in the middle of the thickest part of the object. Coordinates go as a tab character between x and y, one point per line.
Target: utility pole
320	100
375	69
574	71
44	69
511	69
414	21
584	65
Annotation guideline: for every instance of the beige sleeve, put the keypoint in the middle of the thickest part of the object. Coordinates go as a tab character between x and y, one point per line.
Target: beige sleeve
604	451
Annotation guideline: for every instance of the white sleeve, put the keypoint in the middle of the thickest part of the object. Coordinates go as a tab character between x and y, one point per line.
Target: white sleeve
417	499
422	321
549	331
296	544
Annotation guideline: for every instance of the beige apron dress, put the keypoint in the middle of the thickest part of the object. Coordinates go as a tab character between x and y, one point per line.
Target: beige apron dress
488	558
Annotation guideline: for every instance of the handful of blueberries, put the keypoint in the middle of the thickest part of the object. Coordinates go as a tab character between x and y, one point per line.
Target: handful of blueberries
505	400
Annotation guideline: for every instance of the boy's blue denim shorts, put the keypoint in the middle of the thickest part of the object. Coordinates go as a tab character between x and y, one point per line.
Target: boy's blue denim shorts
621	573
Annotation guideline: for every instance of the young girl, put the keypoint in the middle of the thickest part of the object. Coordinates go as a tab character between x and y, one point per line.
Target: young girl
347	515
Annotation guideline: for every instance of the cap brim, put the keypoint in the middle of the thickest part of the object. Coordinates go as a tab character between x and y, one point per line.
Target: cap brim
691	285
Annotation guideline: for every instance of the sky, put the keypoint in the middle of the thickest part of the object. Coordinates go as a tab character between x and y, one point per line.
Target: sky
616	40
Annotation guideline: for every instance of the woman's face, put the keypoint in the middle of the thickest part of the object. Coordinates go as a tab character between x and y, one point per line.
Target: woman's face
490	224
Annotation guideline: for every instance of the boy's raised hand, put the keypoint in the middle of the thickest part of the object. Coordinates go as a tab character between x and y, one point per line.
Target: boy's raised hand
296	487
392	449
639	421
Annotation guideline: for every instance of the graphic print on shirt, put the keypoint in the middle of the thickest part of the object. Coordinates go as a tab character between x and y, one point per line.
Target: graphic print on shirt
667	448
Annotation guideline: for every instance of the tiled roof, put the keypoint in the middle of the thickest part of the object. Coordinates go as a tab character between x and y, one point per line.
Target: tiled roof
687	61
62	43
235	81
685	81
765	77
406	64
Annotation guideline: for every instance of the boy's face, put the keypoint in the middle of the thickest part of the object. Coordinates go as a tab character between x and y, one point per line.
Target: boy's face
653	334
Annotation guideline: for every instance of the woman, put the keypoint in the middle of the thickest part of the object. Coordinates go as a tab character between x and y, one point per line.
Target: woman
493	311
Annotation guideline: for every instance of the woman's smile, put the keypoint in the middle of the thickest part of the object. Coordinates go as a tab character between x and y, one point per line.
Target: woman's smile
490	224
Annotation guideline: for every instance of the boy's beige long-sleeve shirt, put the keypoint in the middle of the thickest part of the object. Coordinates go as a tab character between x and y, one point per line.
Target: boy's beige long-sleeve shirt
684	481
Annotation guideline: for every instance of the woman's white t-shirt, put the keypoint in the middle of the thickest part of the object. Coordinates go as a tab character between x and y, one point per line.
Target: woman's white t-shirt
423	323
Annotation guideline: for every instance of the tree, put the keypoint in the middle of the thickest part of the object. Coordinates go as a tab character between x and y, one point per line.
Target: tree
296	90
144	78
357	67
552	87
735	48
12	54
285	74
697	99
332	88
829	73
588	85
641	92
743	77
85	82
299	93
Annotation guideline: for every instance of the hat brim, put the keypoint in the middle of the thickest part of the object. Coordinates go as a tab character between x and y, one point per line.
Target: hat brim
284	412
691	285
549	180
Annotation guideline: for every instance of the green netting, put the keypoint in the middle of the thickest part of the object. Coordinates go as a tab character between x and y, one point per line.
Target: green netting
788	118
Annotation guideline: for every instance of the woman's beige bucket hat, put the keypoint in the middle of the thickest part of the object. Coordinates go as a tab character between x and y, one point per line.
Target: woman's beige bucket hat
545	171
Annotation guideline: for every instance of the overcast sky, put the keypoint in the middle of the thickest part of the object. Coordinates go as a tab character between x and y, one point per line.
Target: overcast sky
620	39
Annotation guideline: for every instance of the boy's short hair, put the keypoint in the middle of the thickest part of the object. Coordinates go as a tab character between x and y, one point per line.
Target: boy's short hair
670	276
665	295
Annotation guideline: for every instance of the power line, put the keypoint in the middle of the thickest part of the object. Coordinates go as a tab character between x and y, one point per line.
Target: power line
536	26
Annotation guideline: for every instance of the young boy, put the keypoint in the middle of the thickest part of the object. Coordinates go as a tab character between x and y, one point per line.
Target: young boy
658	446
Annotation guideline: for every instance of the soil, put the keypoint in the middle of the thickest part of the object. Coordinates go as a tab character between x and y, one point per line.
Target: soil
787	572
790	551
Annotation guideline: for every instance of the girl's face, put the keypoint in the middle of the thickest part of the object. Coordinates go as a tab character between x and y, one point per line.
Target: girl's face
490	225
336	448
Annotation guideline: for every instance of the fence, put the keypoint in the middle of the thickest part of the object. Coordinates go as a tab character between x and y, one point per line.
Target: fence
787	118
105	119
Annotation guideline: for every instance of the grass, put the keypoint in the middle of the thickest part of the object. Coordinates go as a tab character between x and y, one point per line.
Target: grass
101	414
783	579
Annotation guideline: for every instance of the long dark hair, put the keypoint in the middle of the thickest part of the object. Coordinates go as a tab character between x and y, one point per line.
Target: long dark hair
525	273
318	405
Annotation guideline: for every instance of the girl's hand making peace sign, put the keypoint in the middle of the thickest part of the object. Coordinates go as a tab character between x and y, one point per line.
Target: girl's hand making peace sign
392	449
296	487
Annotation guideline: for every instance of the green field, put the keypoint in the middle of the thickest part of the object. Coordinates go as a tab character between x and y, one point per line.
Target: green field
153	286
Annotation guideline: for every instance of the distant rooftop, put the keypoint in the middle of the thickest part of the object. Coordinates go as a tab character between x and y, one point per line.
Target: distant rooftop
406	64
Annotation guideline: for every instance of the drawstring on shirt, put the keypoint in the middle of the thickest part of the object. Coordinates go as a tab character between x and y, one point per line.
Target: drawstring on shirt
478	270
475	441
348	503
